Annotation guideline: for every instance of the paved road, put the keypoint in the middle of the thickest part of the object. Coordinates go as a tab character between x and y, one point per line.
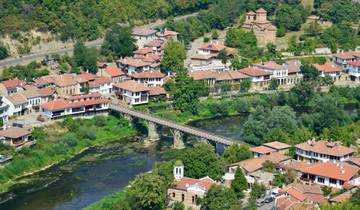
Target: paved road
96	43
183	128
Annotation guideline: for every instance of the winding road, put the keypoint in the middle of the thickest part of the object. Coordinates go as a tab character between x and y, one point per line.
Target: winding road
96	43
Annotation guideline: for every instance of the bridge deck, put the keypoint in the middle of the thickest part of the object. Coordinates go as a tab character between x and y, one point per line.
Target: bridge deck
184	128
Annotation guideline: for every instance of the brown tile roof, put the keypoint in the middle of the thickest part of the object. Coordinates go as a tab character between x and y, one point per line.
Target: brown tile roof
134	62
13	83
347	55
87	76
254	72
206	183
15	132
148	74
31	92
64	80
203	56
85	96
327	68
213	47
269	65
331	170
99	81
200	75
143	32
254	164
261	10
44	80
143	51
63	104
155	43
17	99
354	160
217	75
131	86
46	92
262	150
293	66
113	71
166	33
325	147
354	63
155	91
342	197
277	145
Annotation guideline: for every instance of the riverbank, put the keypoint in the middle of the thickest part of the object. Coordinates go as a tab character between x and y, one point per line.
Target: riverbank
61	142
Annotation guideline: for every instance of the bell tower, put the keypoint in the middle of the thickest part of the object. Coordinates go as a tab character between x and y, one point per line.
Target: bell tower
178	170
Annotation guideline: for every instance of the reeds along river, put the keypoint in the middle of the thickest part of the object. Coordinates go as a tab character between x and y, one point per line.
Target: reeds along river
97	172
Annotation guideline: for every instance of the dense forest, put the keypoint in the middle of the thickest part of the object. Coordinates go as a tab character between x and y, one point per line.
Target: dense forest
87	19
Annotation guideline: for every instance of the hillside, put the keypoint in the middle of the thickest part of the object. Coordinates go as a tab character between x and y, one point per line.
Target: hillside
86	19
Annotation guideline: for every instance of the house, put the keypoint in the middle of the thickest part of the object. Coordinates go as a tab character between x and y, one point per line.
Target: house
132	65
101	85
133	93
152	78
331	174
259	77
254	164
263	29
77	105
294	72
297	194
16	137
278	72
342	197
11	86
278	146
167	35
188	190
261	151
342	58
143	35
353	69
354	161
116	74
65	84
157	93
16	104
212	48
322	151
156	45
329	70
4	110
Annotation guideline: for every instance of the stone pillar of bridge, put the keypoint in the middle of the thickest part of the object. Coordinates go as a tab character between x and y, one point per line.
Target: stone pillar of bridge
204	141
153	134
178	139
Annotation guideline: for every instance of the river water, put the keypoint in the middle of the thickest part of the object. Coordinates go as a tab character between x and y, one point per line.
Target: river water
98	172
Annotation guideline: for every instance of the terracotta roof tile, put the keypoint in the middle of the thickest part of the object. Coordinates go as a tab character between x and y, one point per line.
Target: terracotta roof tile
354	160
331	170
13	83
15	132
87	76
204	56
155	43
155	91
131	86
254	72
134	62
63	104
166	33
277	145
342	197
143	51
262	150
64	80
148	74
90	95
325	147
17	99
327	68
354	63
269	65
143	32
213	47
46	92
205	183
347	55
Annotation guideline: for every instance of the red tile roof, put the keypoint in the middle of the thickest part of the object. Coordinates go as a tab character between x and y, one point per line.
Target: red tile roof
143	51
155	43
213	47
63	104
64	80
217	75
270	65
206	183
277	145
134	62
143	32
131	86
46	92
327	68
155	91
332	170
204	56
354	63
347	55
354	160
342	197
148	74
325	147
13	83
87	76
90	95
15	132
113	71
166	33
254	72
262	150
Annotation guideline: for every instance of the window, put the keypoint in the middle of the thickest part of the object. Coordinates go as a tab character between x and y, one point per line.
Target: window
333	181
173	195
321	180
182	197
341	182
192	199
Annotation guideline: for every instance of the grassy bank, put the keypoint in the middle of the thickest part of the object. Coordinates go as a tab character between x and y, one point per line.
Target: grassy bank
108	202
62	141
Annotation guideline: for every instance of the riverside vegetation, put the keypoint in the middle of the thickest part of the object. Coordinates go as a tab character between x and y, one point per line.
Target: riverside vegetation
62	141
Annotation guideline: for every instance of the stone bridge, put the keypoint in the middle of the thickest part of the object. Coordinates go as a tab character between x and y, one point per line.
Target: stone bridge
177	129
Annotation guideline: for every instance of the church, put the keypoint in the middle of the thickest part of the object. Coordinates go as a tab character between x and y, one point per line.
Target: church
264	30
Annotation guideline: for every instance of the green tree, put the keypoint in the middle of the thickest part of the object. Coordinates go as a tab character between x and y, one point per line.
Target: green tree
4	53
178	206
223	56
202	161
239	184
269	166
309	72
174	55
85	57
147	191
214	34
240	39
245	85
326	190
286	13
257	191
118	42
274	84
236	153
219	198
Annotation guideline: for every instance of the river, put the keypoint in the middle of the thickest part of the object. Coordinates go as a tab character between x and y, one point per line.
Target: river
99	172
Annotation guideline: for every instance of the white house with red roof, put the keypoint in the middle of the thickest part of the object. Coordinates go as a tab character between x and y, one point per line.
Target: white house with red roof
278	71
115	73
323	151
188	190
329	70
11	86
152	78
167	35
143	35
353	69
132	65
77	105
101	85
133	93
344	57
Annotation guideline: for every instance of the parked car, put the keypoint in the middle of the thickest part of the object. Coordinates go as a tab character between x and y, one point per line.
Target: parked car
260	202
269	199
